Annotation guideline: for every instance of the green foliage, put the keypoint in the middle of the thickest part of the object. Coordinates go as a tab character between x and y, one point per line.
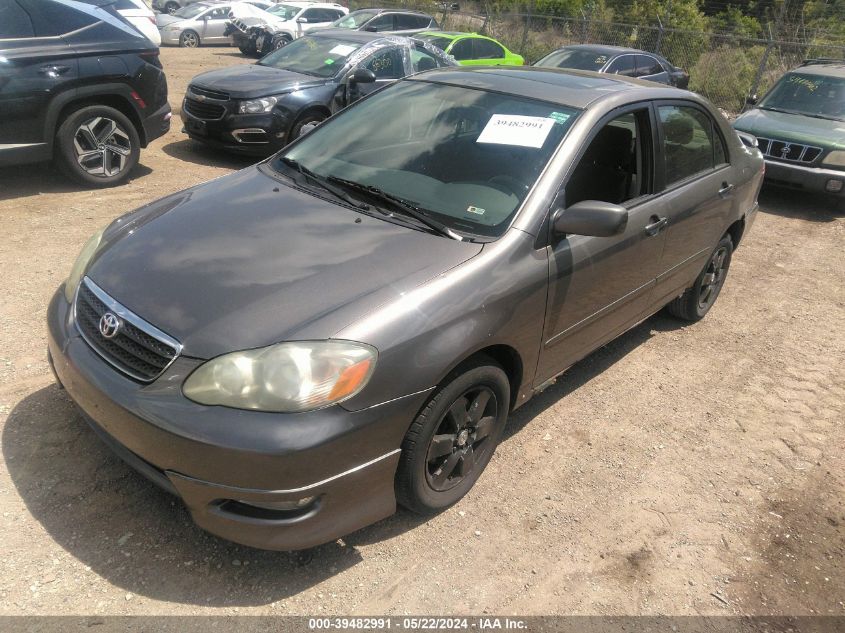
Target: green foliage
726	74
733	21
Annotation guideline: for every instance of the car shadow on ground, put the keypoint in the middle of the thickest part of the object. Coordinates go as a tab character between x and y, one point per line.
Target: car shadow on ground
197	153
42	178
142	540
800	205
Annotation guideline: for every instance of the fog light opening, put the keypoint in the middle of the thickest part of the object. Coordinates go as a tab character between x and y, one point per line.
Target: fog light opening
289	510
833	185
279	505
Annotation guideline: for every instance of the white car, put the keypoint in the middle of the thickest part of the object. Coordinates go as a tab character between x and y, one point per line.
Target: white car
141	16
283	22
201	23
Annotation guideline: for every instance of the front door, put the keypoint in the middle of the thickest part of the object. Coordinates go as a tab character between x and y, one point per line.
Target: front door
215	25
600	286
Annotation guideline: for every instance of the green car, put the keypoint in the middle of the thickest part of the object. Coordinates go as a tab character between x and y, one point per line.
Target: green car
472	49
800	128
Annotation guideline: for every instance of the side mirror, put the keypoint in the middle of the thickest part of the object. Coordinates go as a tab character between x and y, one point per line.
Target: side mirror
363	76
591	217
751	100
302	20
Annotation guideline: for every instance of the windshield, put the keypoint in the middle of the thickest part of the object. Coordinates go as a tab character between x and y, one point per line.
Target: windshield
354	19
440	42
813	95
284	11
310	55
191	10
574	58
464	157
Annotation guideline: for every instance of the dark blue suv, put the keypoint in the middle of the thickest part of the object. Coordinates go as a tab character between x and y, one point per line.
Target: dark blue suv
79	85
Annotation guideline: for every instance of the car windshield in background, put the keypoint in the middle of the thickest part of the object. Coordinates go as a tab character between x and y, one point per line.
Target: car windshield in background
191	10
574	58
463	157
309	55
813	95
354	19
440	42
284	11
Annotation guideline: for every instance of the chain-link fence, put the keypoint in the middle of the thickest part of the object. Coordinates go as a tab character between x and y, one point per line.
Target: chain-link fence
724	68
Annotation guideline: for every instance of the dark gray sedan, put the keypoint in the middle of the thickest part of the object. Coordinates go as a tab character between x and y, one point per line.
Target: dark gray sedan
259	108
295	347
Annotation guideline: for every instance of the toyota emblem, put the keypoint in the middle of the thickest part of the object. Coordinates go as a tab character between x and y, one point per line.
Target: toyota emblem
109	325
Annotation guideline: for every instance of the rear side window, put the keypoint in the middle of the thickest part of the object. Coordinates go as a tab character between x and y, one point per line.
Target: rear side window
485	49
624	65
462	49
14	22
381	23
648	65
422	59
52	18
691	143
387	64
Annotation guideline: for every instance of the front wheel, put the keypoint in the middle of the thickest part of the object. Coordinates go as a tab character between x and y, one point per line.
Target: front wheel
452	440
305	124
97	146
189	39
697	300
281	40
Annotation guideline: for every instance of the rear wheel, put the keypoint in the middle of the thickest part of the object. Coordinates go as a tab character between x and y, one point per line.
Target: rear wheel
189	39
697	300
453	439
97	146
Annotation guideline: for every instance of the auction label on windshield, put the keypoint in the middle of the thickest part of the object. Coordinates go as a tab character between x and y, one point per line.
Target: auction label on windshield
342	49
515	129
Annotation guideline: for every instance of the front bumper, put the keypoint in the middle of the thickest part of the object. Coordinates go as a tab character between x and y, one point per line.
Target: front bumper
812	179
251	134
170	38
218	460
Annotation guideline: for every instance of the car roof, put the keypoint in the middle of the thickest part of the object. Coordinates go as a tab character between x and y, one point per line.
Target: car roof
826	68
386	9
574	88
453	35
351	35
604	49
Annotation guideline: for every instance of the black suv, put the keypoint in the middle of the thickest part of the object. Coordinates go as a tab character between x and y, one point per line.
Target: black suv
78	85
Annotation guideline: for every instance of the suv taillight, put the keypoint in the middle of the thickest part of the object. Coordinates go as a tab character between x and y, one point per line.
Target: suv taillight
151	57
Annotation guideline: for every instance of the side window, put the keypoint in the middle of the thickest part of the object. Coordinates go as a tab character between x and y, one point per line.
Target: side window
424	22
623	65
485	49
312	15
386	64
59	20
406	22
462	49
381	23
421	59
220	13
617	165
647	65
14	21
691	145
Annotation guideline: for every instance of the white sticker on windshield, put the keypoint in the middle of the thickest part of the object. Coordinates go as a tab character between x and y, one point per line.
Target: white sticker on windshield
342	49
514	129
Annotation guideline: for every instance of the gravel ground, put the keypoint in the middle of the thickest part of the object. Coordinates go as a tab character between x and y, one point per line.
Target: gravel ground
679	470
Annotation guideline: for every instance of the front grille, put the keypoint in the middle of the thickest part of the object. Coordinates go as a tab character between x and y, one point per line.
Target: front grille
139	350
211	94
203	109
793	152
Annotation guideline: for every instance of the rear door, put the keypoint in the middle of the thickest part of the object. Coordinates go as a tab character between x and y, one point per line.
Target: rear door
601	286
695	175
36	64
650	68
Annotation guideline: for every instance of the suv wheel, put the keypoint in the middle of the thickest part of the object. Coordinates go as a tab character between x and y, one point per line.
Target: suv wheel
280	41
171	7
97	146
189	39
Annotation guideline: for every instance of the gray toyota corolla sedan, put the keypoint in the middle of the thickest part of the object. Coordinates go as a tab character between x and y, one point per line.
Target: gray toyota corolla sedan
293	348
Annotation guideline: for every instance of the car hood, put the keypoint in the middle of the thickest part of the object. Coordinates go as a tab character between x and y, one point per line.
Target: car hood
253	80
794	128
246	261
163	19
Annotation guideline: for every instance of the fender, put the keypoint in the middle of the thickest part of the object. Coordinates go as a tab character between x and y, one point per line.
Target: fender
108	90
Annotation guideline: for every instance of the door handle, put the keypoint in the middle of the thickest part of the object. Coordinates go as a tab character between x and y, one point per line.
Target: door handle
53	71
657	224
725	190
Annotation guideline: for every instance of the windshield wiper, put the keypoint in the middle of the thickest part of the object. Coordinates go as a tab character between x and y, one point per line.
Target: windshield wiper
402	205
322	182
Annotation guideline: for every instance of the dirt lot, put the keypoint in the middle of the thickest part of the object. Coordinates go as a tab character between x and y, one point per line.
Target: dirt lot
679	470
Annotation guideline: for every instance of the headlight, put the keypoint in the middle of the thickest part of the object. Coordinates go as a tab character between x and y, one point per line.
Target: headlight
284	378
835	159
81	263
257	106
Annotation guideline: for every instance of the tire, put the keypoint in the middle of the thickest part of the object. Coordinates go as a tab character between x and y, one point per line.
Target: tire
444	453
97	146
171	7
189	39
280	41
305	119
697	300
247	48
